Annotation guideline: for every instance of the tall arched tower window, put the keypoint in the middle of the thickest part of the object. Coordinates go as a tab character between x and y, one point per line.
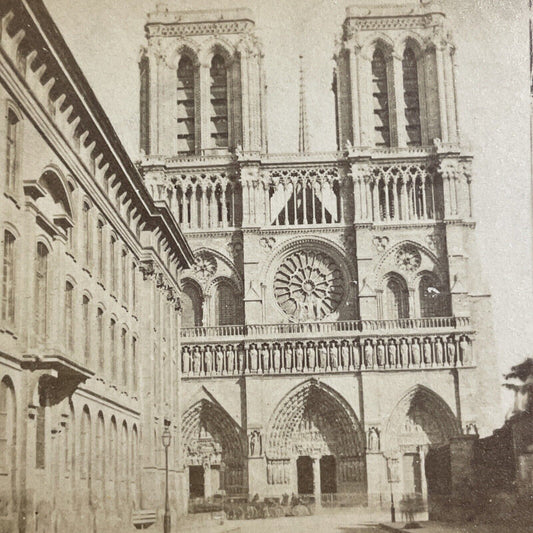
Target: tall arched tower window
225	305
411	98
396	299
380	99
219	102
192	307
186	116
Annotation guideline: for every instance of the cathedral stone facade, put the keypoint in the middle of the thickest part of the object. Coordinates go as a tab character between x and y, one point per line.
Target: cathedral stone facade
336	335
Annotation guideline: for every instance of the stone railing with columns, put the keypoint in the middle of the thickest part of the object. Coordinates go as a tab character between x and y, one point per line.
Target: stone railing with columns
205	200
329	347
394	192
365	185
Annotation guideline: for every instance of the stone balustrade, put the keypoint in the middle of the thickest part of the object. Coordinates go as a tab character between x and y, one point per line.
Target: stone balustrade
359	352
318	329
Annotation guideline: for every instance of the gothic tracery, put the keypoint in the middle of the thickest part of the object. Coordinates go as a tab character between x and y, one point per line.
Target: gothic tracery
308	286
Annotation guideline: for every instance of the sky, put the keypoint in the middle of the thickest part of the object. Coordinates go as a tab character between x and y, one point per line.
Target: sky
491	36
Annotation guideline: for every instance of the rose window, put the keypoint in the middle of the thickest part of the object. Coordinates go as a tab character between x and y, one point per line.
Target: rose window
308	286
408	258
205	265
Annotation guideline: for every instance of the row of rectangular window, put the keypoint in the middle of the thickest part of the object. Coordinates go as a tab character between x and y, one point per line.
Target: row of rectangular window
101	344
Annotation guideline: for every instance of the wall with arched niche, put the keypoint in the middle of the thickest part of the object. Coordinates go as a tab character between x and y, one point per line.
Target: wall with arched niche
213	291
411	267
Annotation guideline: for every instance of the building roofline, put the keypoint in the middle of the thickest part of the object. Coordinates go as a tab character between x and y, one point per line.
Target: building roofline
194	16
50	32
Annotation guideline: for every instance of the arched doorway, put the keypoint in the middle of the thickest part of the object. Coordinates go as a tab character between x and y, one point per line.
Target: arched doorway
315	443
416	439
213	449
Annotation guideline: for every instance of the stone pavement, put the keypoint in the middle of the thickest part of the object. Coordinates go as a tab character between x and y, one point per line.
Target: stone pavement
473	527
338	521
342	522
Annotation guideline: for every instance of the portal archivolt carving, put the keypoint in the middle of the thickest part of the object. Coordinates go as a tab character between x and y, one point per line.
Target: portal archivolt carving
212	438
313	421
421	418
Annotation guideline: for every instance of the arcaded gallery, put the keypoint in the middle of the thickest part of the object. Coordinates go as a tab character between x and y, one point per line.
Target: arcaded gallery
308	323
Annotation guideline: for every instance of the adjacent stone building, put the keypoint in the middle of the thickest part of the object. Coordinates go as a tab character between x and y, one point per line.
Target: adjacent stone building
89	319
336	333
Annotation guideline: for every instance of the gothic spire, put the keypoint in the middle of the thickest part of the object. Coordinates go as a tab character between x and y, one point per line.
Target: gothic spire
303	135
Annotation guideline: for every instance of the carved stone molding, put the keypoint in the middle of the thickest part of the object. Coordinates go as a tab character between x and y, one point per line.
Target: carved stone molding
380	243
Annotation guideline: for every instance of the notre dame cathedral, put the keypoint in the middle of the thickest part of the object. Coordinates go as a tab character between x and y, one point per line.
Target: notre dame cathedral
220	321
335	335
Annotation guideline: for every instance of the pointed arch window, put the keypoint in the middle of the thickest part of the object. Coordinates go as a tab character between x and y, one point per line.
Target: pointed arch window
69	323
100	448
85	328
134	363
8	279
85	446
100	247
380	99
87	232
226	305
41	291
123	356
219	102
100	334
396	299
430	297
112	268
7	427
11	149
113	451
186	106
112	333
411	98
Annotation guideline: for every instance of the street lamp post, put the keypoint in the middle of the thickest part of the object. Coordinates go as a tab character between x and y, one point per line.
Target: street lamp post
166	443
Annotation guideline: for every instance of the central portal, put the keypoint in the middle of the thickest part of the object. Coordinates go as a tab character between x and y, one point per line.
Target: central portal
304	466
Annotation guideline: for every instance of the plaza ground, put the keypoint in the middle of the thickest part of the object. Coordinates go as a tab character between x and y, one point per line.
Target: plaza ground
346	521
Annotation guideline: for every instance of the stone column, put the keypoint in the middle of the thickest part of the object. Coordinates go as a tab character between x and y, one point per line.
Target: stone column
398	101
442	95
205	93
354	91
207	480
450	95
365	100
245	101
316	482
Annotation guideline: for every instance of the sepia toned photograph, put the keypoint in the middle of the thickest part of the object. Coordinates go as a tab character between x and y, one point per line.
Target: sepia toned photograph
266	266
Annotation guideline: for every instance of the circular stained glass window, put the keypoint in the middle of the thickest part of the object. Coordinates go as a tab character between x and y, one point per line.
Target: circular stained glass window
308	286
